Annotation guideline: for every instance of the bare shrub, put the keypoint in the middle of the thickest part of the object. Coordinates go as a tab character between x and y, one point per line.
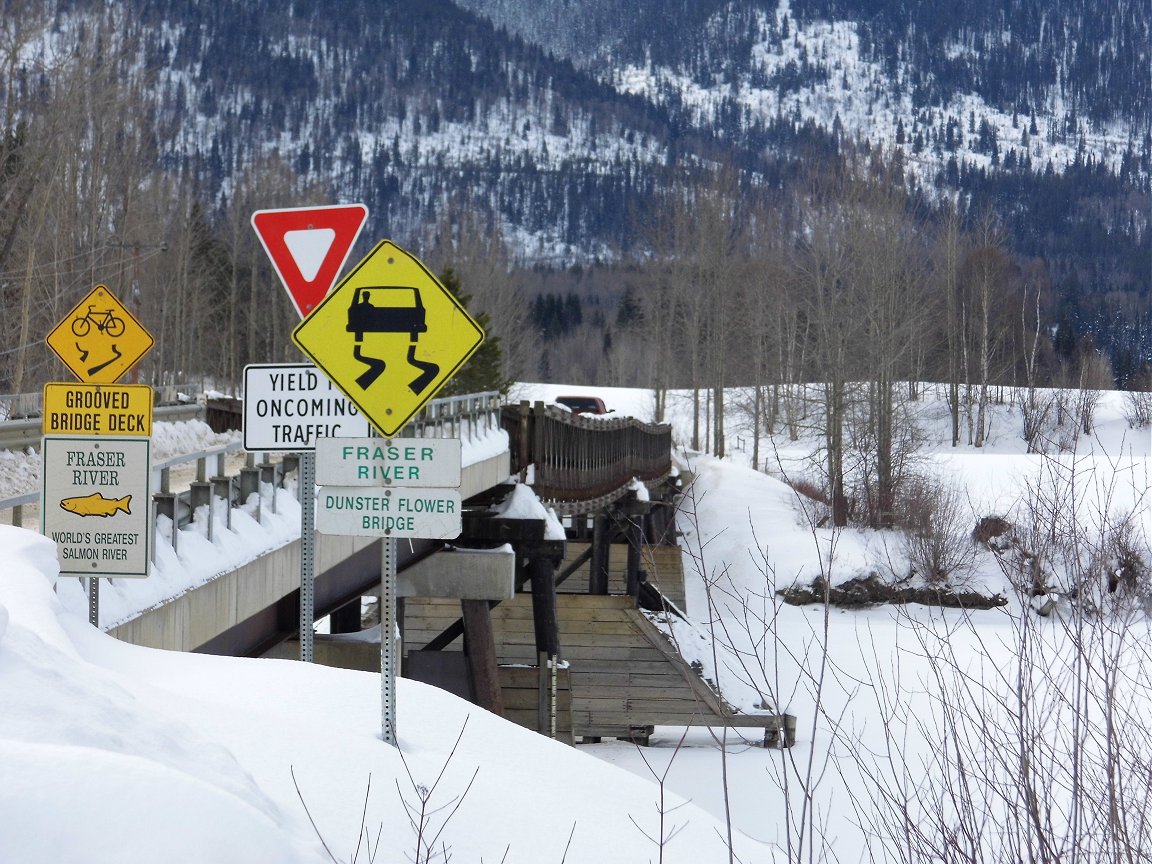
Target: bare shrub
1095	378
1037	408
881	466
1125	562
1138	409
813	499
427	818
1077	536
1045	760
1033	736
936	535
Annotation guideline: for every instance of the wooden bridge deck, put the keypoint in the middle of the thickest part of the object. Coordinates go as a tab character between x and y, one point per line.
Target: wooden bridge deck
624	673
662	565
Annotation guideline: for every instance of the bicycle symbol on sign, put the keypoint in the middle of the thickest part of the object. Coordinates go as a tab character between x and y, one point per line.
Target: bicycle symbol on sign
104	321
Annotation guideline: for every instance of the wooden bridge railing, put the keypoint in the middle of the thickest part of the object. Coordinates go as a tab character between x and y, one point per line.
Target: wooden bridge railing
586	459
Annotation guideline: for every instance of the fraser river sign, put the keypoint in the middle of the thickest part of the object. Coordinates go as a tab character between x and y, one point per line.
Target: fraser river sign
377	512
421	462
379	487
95	504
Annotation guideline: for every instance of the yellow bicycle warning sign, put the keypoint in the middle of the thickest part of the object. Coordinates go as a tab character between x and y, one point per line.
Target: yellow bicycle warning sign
99	340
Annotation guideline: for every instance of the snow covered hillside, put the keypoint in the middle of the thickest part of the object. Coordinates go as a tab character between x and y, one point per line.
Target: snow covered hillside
920	729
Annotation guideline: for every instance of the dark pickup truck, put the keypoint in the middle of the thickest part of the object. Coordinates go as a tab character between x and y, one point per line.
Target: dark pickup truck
582	404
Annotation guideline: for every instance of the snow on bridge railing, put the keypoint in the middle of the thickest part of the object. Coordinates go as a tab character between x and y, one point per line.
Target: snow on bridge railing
467	416
581	462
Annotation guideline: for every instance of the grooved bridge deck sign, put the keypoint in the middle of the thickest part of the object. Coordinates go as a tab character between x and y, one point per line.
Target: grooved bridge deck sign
389	335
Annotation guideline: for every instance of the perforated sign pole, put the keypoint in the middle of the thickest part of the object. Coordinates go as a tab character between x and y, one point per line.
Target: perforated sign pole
93	601
307	553
388	640
307	247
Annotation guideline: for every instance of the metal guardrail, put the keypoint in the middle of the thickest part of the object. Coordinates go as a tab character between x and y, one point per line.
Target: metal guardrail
579	458
579	463
17	505
451	417
22	406
26	432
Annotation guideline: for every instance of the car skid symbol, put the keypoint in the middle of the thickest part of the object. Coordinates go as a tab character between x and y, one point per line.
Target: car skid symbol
389	309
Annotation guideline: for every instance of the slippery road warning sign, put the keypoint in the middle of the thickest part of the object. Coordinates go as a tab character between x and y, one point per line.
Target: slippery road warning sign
389	335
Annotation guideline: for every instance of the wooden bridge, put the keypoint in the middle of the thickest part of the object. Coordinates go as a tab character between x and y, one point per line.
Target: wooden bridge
577	652
574	651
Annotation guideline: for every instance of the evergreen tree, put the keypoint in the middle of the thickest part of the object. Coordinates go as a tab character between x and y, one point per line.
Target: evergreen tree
482	370
628	313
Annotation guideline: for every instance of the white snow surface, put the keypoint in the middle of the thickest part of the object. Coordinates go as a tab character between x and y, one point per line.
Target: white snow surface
114	753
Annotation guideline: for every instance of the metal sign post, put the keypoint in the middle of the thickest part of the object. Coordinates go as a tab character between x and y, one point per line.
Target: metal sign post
389	335
388	640
307	495
292	405
93	601
367	503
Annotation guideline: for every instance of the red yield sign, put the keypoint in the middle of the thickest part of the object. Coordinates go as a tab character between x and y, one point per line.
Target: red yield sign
308	247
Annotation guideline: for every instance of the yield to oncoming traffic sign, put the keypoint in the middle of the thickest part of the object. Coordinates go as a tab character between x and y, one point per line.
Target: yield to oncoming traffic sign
287	407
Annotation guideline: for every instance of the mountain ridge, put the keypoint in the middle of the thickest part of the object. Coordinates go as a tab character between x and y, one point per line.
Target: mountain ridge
554	143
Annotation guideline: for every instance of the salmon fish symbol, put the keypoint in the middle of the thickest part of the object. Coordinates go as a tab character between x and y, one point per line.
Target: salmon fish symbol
97	505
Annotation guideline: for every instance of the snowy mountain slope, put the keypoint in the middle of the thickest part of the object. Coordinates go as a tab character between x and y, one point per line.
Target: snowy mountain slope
559	129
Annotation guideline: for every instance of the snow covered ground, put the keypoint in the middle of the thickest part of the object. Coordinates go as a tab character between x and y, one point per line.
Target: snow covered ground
109	752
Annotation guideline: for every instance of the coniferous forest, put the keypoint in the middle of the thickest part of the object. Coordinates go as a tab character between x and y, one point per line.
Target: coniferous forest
585	172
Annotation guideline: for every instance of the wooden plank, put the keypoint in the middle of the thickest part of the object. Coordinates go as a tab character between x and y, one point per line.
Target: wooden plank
581	640
698	685
525	700
619	655
478	636
632	680
639	668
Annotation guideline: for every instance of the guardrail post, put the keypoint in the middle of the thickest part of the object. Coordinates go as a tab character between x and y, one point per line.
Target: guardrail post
267	470
634	536
288	463
222	488
524	444
598	564
540	448
164	504
200	491
250	483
